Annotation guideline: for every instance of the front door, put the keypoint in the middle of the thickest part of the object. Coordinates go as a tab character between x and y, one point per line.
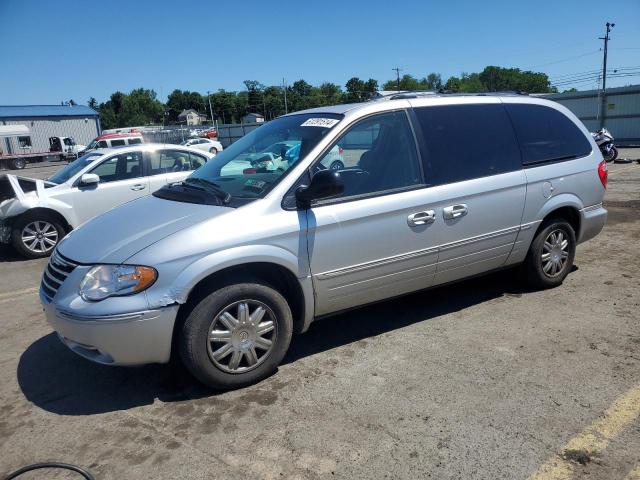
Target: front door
122	179
378	239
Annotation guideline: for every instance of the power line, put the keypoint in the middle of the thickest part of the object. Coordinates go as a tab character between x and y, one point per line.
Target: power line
565	59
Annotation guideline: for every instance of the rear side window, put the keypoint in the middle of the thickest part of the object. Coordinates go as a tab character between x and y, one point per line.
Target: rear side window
546	135
117	143
135	141
462	142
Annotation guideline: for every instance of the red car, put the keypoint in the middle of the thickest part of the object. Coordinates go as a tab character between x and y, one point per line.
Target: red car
210	133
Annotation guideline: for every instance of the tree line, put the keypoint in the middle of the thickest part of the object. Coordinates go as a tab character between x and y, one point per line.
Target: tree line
142	107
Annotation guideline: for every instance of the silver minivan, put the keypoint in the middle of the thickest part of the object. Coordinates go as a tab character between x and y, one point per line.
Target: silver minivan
223	268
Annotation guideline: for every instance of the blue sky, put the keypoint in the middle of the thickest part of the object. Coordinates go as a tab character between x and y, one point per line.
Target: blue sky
58	50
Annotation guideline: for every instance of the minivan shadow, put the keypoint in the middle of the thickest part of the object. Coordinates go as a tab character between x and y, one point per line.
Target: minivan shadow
57	380
8	254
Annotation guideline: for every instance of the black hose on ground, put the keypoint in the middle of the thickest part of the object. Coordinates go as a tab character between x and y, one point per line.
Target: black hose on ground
37	466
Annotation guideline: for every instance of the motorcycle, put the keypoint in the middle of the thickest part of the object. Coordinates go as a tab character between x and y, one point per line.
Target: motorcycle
604	140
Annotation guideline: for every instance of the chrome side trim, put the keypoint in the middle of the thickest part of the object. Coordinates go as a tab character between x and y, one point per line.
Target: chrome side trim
375	263
479	238
418	253
126	317
592	207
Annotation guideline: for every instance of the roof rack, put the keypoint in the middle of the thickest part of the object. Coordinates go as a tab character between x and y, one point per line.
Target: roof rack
443	92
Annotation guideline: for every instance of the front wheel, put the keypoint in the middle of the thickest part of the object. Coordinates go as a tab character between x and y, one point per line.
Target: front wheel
213	150
551	254
36	236
236	336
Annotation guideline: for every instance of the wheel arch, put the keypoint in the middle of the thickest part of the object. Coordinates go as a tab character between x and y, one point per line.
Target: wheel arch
293	289
38	212
565	206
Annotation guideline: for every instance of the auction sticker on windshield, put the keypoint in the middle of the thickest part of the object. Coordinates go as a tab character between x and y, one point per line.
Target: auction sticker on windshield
320	122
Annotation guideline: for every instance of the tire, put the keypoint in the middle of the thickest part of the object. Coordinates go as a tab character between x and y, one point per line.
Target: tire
213	150
18	163
541	273
336	165
612	155
49	228
237	364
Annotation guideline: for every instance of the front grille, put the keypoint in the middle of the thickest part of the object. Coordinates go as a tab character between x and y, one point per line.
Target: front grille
57	271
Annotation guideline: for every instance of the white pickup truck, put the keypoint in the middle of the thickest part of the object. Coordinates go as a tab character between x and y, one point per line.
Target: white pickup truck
36	214
62	148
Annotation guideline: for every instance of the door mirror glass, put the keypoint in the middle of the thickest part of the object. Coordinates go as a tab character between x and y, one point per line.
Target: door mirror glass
324	184
89	179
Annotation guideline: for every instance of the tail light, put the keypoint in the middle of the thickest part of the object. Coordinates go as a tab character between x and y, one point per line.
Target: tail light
603	173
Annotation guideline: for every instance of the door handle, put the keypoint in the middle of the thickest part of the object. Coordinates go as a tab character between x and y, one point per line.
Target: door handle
137	187
455	211
421	218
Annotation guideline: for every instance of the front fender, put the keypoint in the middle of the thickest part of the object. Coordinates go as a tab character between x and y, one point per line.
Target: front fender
183	283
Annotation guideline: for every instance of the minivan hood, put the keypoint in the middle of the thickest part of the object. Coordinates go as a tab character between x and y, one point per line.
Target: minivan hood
118	234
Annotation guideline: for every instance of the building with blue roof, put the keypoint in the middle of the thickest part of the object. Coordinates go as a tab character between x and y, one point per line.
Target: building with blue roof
80	122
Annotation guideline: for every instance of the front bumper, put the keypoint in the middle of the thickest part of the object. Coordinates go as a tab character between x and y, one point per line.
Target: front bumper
592	220
130	339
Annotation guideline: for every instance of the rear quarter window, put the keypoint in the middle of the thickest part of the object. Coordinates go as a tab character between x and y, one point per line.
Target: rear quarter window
462	142
546	135
135	141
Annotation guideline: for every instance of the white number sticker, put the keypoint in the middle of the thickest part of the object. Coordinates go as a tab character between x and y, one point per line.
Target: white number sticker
320	122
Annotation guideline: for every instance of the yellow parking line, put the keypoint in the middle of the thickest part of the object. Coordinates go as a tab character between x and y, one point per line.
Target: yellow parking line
595	438
9	296
633	474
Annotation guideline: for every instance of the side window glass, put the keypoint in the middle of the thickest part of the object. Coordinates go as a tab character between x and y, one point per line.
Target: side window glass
174	161
135	141
120	167
463	142
107	170
377	154
117	143
545	134
196	161
103	144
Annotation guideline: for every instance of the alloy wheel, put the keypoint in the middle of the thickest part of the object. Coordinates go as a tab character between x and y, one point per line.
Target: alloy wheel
39	236
555	253
241	336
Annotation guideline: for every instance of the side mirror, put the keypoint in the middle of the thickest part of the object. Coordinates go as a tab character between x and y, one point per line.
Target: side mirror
89	179
324	184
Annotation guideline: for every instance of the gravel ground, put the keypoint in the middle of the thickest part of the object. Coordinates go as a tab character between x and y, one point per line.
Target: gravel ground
483	379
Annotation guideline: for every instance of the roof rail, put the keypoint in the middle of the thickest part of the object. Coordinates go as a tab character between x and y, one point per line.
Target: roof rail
443	92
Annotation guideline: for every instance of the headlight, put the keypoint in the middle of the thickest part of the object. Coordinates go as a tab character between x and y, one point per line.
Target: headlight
104	281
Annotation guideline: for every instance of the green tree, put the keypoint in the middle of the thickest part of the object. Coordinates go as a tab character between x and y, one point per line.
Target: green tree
355	90
92	103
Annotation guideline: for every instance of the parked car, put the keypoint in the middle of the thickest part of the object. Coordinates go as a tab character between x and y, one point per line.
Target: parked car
36	214
204	144
209	133
224	268
112	140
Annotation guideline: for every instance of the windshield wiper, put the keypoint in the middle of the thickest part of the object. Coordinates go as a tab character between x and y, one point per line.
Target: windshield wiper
208	186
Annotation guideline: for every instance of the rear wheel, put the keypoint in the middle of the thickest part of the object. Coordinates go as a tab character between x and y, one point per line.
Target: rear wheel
336	165
18	163
551	254
35	236
612	154
236	336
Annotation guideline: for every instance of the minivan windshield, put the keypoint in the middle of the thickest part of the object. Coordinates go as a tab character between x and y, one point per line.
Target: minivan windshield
73	168
252	166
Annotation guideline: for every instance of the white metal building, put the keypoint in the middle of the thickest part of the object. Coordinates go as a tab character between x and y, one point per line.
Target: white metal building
621	113
44	121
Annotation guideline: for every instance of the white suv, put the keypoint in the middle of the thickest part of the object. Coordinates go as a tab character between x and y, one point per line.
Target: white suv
36	214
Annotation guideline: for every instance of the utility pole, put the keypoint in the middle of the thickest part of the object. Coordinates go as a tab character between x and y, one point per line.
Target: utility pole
284	88
603	104
210	109
397	70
